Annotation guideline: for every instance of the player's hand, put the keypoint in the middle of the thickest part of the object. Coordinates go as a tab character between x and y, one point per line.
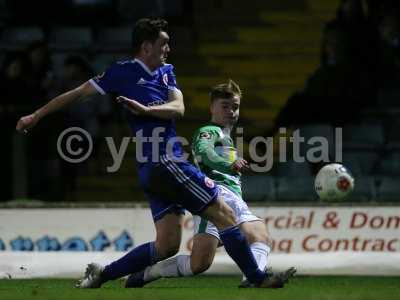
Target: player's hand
26	123
240	165
134	106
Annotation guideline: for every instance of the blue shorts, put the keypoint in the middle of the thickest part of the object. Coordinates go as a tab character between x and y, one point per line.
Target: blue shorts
173	186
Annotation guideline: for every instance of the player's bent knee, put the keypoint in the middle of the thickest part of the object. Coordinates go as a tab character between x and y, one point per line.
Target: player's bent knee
198	269
200	266
167	248
167	252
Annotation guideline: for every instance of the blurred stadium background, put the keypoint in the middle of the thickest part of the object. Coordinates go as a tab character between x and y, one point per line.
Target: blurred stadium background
300	64
312	65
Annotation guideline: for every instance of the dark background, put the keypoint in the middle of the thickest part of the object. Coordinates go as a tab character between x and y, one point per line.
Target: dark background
309	65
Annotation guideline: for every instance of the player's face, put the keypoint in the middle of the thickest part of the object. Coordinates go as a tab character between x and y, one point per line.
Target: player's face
225	112
159	50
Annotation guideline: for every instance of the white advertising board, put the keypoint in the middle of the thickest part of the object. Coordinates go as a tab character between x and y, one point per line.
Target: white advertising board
292	230
318	240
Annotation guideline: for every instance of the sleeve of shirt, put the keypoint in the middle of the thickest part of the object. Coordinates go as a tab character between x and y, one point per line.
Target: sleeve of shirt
204	149
171	79
108	81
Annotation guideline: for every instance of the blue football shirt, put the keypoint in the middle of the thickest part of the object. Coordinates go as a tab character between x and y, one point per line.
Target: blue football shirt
134	80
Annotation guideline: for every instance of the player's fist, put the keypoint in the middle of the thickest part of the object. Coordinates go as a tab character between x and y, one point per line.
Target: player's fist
240	165
26	123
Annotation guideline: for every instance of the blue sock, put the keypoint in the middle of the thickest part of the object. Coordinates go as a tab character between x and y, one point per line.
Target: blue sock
238	249
134	261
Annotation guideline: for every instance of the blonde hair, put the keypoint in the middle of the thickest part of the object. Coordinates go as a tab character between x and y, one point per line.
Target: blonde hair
225	91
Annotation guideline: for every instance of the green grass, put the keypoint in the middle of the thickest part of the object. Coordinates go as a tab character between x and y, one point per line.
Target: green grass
208	288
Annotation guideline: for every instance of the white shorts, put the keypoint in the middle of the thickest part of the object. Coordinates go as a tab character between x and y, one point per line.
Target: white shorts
240	208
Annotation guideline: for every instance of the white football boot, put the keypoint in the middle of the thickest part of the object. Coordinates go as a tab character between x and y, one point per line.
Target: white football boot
92	278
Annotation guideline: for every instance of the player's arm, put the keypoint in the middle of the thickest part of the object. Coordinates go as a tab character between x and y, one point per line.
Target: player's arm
78	94
204	150
173	109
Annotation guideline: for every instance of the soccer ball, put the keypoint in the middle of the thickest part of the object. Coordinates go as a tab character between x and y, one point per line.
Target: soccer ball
333	182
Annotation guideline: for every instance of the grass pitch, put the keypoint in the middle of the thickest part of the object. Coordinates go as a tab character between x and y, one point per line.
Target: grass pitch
209	288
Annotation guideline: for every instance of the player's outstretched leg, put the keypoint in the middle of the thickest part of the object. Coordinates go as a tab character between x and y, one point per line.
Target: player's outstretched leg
235	243
168	230
135	260
205	243
257	236
178	266
238	249
202	256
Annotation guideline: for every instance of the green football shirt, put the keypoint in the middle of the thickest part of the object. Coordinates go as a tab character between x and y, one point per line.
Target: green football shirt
214	153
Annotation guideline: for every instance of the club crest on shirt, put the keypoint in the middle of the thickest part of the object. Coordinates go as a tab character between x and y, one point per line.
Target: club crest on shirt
165	79
98	77
205	135
209	183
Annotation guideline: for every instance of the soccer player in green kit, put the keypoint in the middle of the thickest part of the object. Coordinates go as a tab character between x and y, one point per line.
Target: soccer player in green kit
215	154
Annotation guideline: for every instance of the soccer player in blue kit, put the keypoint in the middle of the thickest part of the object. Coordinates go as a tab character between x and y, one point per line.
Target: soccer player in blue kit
146	85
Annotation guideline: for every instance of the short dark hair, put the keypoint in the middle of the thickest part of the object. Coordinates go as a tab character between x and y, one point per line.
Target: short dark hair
225	91
147	29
